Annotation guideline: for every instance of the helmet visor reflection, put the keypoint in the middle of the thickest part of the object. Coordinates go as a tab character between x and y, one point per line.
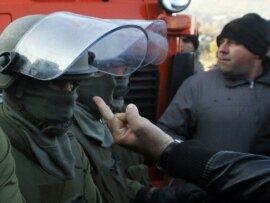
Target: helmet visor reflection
55	43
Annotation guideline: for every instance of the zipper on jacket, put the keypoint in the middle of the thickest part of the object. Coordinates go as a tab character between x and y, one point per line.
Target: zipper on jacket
251	85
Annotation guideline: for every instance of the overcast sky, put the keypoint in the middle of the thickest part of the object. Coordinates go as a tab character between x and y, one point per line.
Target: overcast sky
234	8
219	12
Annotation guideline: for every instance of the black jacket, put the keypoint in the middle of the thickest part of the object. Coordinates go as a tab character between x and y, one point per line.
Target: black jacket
231	176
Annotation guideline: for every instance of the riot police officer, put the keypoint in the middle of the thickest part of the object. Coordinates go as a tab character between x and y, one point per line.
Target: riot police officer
42	60
111	165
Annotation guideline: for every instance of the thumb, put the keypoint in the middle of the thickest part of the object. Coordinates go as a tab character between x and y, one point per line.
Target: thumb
132	111
135	121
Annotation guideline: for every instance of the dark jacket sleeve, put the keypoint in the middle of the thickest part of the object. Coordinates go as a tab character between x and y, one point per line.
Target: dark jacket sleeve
236	177
179	118
188	194
9	187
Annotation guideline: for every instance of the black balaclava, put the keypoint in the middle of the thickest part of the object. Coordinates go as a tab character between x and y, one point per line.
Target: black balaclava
102	86
86	114
48	109
43	115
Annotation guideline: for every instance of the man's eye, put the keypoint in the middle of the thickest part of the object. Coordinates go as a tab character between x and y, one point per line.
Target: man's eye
221	41
234	42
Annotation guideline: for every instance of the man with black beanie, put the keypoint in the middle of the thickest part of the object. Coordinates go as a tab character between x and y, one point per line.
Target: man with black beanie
190	43
252	32
224	108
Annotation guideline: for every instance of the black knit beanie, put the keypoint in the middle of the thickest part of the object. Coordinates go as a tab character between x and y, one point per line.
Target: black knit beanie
251	30
194	40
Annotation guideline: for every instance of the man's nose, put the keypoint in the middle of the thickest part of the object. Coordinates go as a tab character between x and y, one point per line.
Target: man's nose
66	86
63	85
69	86
223	47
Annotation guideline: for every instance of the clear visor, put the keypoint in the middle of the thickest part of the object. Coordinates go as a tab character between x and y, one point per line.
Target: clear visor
121	53
156	30
51	47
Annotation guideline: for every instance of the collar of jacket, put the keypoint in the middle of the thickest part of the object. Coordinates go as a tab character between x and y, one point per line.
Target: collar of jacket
234	81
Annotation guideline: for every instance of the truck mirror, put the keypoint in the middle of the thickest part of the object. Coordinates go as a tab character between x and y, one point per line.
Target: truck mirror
174	6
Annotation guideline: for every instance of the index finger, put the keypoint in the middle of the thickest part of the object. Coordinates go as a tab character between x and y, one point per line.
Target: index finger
103	108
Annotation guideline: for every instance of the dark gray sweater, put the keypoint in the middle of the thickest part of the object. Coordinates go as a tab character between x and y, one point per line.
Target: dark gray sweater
222	113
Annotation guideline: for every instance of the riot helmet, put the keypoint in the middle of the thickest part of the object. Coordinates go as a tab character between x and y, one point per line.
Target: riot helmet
49	47
113	93
8	40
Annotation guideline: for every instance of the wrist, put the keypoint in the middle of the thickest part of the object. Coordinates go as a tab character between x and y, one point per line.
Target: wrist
163	159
